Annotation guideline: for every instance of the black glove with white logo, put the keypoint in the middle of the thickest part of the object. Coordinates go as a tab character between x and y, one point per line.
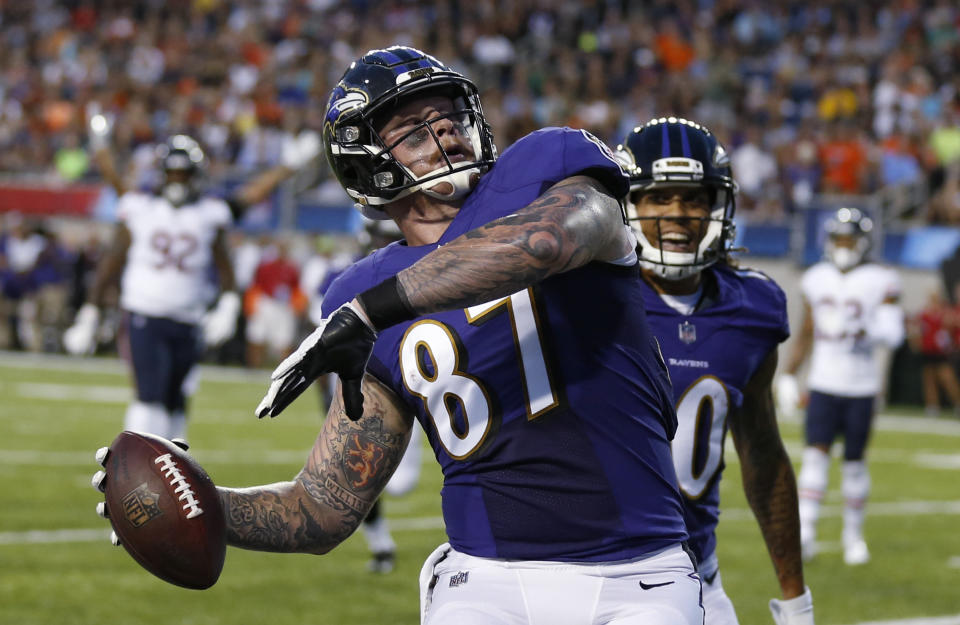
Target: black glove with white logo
341	344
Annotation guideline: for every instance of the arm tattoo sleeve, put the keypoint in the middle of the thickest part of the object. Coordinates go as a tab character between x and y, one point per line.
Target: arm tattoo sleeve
574	222
768	480
349	465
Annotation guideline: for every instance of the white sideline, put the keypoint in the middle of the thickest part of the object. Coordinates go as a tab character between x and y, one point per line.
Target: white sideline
416	524
937	620
111	365
44	537
79	364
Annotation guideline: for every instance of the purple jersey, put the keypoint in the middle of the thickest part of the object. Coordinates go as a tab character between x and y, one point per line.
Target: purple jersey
536	404
712	354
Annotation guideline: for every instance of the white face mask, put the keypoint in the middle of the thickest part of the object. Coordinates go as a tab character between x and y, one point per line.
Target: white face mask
176	192
845	258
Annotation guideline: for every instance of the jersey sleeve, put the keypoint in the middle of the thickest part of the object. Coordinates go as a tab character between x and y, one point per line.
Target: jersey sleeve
547	156
218	212
128	205
353	280
893	287
587	155
765	306
808	282
531	166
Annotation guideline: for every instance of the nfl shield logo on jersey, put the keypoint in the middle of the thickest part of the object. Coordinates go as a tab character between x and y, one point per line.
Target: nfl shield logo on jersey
688	332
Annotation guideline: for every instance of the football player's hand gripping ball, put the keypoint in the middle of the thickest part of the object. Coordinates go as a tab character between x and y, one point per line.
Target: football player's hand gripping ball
99	482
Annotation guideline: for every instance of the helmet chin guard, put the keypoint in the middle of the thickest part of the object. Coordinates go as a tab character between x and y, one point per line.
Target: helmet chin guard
671	265
184	155
850	223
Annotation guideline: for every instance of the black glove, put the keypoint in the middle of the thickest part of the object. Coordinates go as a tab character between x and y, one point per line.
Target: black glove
341	344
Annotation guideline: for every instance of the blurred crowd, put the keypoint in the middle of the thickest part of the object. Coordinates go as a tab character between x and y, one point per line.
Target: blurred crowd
46	270
811	97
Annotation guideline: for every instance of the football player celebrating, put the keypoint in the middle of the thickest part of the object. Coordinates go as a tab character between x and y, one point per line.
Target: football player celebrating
164	246
504	324
851	306
719	328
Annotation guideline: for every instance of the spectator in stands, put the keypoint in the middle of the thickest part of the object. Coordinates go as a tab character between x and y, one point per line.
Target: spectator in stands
800	173
273	304
221	70
20	249
944	205
932	335
756	168
52	280
844	158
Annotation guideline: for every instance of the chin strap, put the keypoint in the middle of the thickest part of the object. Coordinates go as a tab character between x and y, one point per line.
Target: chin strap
459	181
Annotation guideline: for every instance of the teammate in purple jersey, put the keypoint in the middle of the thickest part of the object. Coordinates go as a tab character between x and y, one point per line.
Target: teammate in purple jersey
719	328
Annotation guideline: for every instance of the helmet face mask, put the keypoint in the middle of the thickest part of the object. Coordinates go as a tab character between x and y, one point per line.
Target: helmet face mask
368	95
671	157
182	161
848	238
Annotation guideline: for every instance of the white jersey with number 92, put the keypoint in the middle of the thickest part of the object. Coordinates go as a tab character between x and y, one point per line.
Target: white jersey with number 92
170	255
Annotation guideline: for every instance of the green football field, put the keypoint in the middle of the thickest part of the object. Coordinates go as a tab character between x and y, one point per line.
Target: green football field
57	567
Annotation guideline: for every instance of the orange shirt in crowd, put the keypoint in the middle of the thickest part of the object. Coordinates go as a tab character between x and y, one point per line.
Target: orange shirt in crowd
844	162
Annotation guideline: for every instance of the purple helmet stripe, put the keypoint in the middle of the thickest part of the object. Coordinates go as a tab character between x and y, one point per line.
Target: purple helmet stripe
685	141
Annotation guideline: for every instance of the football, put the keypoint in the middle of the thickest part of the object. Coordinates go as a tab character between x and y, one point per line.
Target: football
165	510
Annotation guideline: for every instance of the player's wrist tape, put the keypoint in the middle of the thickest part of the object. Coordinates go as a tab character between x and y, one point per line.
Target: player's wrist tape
386	304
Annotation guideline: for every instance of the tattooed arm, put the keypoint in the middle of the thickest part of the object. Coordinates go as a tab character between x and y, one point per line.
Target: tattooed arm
574	222
768	479
350	463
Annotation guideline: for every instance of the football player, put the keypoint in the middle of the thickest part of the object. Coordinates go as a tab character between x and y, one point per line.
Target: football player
719	328
164	246
503	324
851	307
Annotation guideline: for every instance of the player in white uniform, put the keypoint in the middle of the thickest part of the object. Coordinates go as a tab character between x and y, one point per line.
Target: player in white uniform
165	245
851	307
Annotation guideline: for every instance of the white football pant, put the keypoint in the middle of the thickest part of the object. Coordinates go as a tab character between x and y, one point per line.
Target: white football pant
856	489
716	604
659	589
149	418
812	485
